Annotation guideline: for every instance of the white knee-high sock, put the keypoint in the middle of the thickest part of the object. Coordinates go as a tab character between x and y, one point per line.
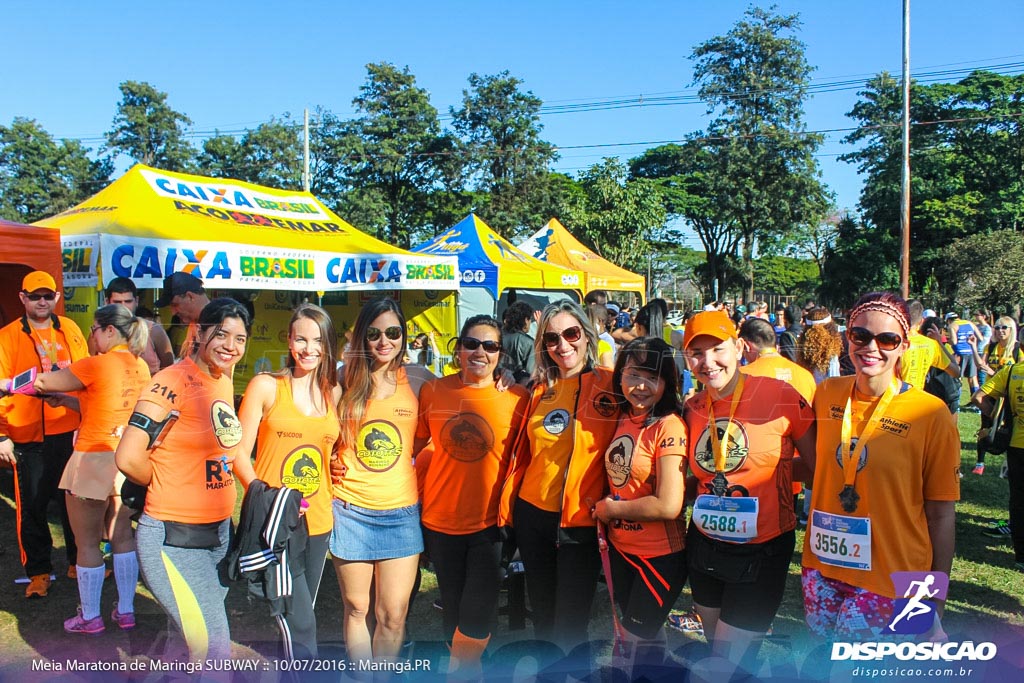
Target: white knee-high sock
90	589
126	574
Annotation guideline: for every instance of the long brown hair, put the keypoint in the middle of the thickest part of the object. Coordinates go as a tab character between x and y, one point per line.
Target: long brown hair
820	342
357	374
325	378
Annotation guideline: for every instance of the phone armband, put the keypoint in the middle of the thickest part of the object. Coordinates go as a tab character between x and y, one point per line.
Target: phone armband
156	429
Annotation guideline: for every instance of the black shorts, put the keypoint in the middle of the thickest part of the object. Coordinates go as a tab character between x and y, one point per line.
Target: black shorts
646	588
745	581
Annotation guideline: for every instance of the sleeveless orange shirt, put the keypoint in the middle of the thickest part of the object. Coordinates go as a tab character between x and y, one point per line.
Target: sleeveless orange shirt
378	468
293	451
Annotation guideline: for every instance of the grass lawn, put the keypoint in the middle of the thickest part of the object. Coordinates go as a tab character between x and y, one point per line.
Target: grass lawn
985	600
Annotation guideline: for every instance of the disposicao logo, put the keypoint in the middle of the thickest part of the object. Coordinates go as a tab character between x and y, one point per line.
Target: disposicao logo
915	611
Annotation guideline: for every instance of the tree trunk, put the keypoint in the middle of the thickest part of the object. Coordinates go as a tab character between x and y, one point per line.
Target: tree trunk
748	267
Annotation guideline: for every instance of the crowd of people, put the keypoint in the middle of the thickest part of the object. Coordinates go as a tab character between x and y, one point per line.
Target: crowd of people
664	449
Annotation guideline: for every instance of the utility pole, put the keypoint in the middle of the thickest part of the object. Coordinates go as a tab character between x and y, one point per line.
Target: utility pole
905	175
305	150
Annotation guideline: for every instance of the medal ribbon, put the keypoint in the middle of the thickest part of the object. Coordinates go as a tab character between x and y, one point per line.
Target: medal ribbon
850	459
50	349
718	446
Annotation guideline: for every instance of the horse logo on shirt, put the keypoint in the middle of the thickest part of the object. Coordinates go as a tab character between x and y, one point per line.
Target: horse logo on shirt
379	445
226	426
737	446
556	421
467	437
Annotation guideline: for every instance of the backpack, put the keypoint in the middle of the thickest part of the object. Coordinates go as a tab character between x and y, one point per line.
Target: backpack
998	438
939	383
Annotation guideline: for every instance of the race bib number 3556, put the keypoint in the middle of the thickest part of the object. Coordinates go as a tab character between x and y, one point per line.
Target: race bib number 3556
840	540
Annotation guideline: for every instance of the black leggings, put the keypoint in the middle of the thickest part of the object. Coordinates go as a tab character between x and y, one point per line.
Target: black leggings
468	568
561	574
1015	476
646	588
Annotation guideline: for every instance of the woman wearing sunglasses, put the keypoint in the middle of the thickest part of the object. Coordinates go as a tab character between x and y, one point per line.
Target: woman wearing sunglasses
109	384
376	540
750	439
558	474
472	427
291	417
1003	350
885	485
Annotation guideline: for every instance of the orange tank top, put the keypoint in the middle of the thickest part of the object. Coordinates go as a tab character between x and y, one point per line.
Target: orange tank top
293	451
378	468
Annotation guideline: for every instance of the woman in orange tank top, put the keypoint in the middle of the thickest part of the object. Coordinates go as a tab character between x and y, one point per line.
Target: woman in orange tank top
376	539
292	418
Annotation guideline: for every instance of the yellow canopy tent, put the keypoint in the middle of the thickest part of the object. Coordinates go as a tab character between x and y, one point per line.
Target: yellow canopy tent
489	263
235	235
554	244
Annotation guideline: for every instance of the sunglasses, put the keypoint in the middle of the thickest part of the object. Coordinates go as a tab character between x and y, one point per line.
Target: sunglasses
472	344
887	341
393	333
1001	327
36	297
569	334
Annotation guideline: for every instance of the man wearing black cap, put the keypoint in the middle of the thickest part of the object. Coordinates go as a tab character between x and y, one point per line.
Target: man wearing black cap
184	294
37	438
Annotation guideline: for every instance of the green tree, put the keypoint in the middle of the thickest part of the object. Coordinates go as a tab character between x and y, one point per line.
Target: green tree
863	259
397	152
270	154
765	181
507	160
615	215
40	177
998	285
148	131
786	275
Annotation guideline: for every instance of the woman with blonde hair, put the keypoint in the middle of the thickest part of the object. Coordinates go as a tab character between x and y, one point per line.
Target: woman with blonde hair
107	385
1003	350
820	344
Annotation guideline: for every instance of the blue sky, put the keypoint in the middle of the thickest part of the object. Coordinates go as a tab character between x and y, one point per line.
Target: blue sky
230	65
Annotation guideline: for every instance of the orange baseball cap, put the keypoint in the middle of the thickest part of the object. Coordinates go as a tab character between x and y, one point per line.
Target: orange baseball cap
38	279
712	323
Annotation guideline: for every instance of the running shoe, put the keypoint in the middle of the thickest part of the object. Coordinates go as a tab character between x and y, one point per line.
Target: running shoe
1004	472
38	586
979	468
125	621
998	529
77	624
687	622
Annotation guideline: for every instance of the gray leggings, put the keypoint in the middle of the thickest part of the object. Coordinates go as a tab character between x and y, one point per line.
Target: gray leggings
191	585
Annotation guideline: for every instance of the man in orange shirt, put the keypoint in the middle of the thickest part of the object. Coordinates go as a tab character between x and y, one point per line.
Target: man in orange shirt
764	360
35	438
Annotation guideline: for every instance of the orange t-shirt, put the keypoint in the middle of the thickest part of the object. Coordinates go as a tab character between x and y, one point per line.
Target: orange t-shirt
759	459
192	479
771	364
912	456
378	470
633	463
293	451
113	383
551	431
473	430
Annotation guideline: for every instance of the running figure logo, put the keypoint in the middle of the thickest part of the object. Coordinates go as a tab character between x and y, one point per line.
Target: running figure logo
915	611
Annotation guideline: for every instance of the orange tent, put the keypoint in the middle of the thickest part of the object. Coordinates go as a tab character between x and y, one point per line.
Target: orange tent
26	248
554	244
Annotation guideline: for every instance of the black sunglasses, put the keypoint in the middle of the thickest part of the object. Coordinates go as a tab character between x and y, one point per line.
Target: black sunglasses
393	333
569	334
861	336
1001	327
472	344
36	297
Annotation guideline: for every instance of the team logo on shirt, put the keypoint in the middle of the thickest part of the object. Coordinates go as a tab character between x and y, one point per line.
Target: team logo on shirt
226	426
604	404
618	460
379	445
301	470
556	421
736	449
467	437
863	460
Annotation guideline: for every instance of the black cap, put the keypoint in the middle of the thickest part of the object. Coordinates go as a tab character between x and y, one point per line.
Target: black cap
177	284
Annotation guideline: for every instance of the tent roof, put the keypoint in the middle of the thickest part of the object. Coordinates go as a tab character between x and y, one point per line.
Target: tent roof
488	260
26	248
554	244
184	217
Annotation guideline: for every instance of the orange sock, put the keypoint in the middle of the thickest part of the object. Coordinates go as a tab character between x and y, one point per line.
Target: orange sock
465	657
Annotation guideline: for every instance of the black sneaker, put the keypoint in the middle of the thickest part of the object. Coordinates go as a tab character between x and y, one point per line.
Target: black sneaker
998	529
